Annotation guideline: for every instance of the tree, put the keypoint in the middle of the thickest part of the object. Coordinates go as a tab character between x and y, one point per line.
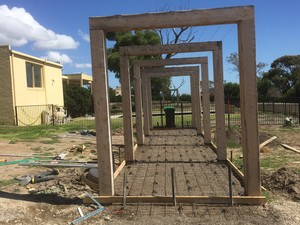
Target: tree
232	90
185	97
113	97
233	59
175	35
78	100
147	37
284	75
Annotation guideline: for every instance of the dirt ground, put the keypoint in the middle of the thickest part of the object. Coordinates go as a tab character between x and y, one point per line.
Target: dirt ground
57	201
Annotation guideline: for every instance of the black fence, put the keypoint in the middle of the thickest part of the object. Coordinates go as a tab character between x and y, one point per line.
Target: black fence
182	114
272	111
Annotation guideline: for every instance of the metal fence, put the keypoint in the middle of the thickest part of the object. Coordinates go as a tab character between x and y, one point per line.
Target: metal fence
183	114
54	115
272	112
39	114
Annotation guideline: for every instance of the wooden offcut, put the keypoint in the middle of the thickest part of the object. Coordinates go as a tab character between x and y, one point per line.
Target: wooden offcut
267	141
290	148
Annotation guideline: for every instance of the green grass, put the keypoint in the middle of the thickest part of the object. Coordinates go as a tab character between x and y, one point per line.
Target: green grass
13	141
26	133
15	133
39	148
53	140
238	162
4	183
275	162
268	196
117	123
232	144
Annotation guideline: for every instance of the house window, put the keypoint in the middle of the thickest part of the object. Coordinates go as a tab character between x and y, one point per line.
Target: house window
34	75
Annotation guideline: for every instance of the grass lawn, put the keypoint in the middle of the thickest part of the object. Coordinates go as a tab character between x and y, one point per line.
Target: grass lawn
15	133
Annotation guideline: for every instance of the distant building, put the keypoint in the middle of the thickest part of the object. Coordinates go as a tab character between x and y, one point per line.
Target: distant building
29	86
118	91
81	79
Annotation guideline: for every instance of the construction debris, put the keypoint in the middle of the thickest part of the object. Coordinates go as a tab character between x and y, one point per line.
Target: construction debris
88	132
83	217
284	180
290	148
78	148
34	155
36	178
61	156
267	141
54	164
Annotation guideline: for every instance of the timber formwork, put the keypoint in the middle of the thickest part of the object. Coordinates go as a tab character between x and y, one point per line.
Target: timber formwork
199	177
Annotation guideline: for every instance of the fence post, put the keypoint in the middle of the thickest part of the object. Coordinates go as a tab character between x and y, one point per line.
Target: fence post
285	107
181	108
228	112
53	115
17	119
299	110
161	114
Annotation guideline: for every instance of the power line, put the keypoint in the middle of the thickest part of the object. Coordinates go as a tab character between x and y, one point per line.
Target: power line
215	33
203	30
232	26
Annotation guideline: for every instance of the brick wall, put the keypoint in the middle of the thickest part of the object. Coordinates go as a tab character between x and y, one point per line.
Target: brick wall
6	94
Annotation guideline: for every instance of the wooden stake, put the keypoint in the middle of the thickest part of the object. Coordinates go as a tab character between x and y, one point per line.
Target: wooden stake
230	184
124	188
173	185
290	148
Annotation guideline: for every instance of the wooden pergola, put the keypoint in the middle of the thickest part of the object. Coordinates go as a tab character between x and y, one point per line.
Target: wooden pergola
147	74
243	17
138	64
214	47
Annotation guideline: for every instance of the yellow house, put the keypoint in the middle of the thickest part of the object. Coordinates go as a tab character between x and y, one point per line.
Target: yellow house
118	91
78	79
29	88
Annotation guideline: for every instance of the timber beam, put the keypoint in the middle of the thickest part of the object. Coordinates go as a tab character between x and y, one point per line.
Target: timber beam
249	200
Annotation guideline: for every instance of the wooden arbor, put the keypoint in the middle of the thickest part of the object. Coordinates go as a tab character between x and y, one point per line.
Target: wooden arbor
191	71
215	47
242	16
138	64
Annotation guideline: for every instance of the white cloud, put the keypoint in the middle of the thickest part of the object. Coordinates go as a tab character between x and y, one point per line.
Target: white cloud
18	28
83	65
84	36
57	57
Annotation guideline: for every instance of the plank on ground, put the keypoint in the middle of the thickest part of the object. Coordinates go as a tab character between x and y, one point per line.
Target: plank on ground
290	148
267	141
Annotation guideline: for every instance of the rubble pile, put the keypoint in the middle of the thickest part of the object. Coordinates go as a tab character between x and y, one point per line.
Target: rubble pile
284	180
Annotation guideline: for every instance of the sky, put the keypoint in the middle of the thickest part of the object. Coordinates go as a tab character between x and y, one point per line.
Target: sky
58	30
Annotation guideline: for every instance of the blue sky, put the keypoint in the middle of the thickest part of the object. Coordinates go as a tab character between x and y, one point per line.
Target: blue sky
59	30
